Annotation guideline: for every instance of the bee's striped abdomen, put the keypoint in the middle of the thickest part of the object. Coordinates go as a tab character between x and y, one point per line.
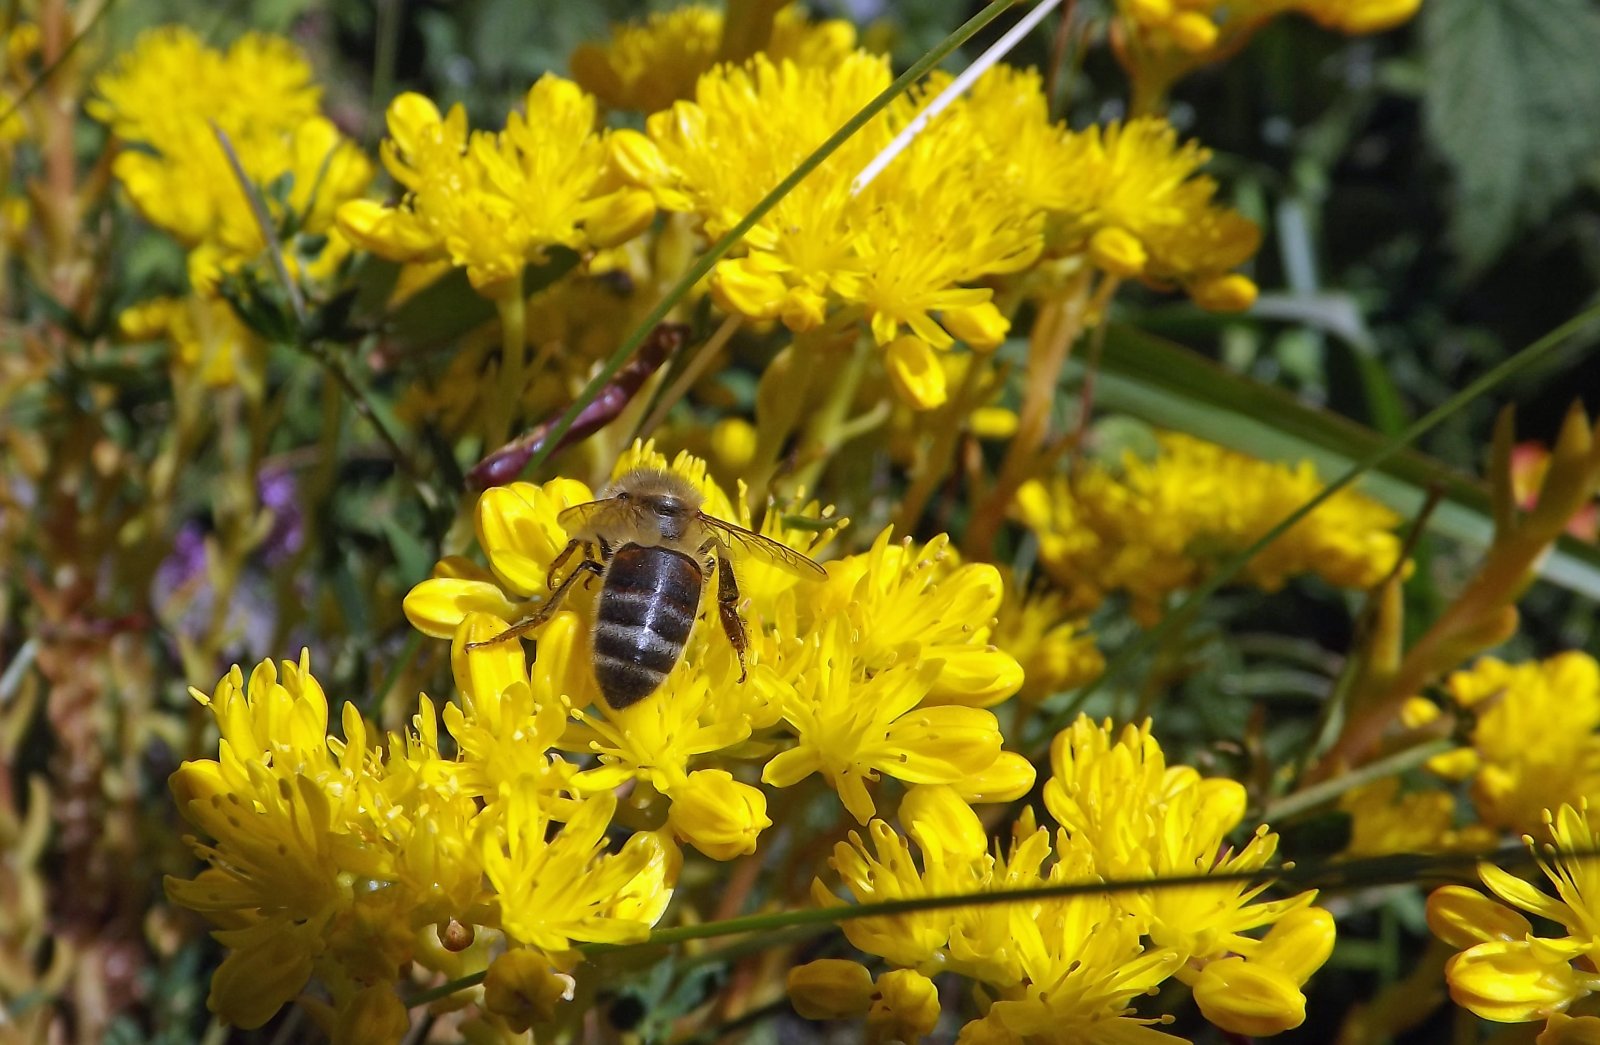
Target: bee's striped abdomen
647	608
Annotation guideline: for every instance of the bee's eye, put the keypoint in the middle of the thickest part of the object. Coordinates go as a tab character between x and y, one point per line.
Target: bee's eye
623	496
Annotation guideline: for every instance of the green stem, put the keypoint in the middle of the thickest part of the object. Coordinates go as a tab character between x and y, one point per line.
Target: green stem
935	463
717	250
823	432
1360	874
513	309
1318	794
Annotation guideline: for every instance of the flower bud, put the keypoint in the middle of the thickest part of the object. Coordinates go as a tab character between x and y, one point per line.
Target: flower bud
522	989
1193	31
1229	293
906	1009
1245	998
945	827
981	326
744	289
1009	778
915	372
1513	981
1118	251
1298	944
373	1017
830	989
717	814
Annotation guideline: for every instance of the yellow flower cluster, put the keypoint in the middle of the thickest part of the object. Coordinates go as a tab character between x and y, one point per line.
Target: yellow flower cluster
492	202
992	167
345	859
646	66
884	669
1507	970
1155	527
171	94
1534	743
1068	969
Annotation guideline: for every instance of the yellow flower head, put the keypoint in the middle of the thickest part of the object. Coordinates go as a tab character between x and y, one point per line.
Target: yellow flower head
1138	818
1534	744
206	335
171	94
494	202
554	891
1505	971
1154	528
1055	653
648	65
1062	970
299	880
823	245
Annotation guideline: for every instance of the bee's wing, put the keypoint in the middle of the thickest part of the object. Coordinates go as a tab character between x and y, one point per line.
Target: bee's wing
594	516
764	548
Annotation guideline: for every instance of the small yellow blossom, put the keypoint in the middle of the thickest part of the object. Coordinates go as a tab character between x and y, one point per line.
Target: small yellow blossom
648	65
1155	528
1127	195
171	94
523	989
1505	971
206	335
1533	737
1384	821
1138	818
1056	653
553	892
494	202
823	245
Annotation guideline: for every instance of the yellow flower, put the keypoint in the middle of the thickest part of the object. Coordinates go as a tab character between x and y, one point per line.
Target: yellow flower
1159	41
852	730
1504	971
290	864
823	244
1137	818
651	64
1533	735
908	605
207	337
1125	195
1060	970
554	891
494	202
522	988
1384	821
1056	654
166	95
830	989
1155	528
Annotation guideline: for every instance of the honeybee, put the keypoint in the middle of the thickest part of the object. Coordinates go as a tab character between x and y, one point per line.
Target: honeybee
652	547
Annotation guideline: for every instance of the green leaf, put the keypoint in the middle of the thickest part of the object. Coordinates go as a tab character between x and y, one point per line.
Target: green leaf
449	307
1512	91
1164	384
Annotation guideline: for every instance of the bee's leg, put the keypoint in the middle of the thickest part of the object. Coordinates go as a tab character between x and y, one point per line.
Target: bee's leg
728	610
561	560
585	568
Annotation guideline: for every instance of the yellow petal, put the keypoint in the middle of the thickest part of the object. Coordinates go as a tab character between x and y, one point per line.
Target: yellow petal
982	326
1464	918
915	372
945	827
437	606
1008	779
